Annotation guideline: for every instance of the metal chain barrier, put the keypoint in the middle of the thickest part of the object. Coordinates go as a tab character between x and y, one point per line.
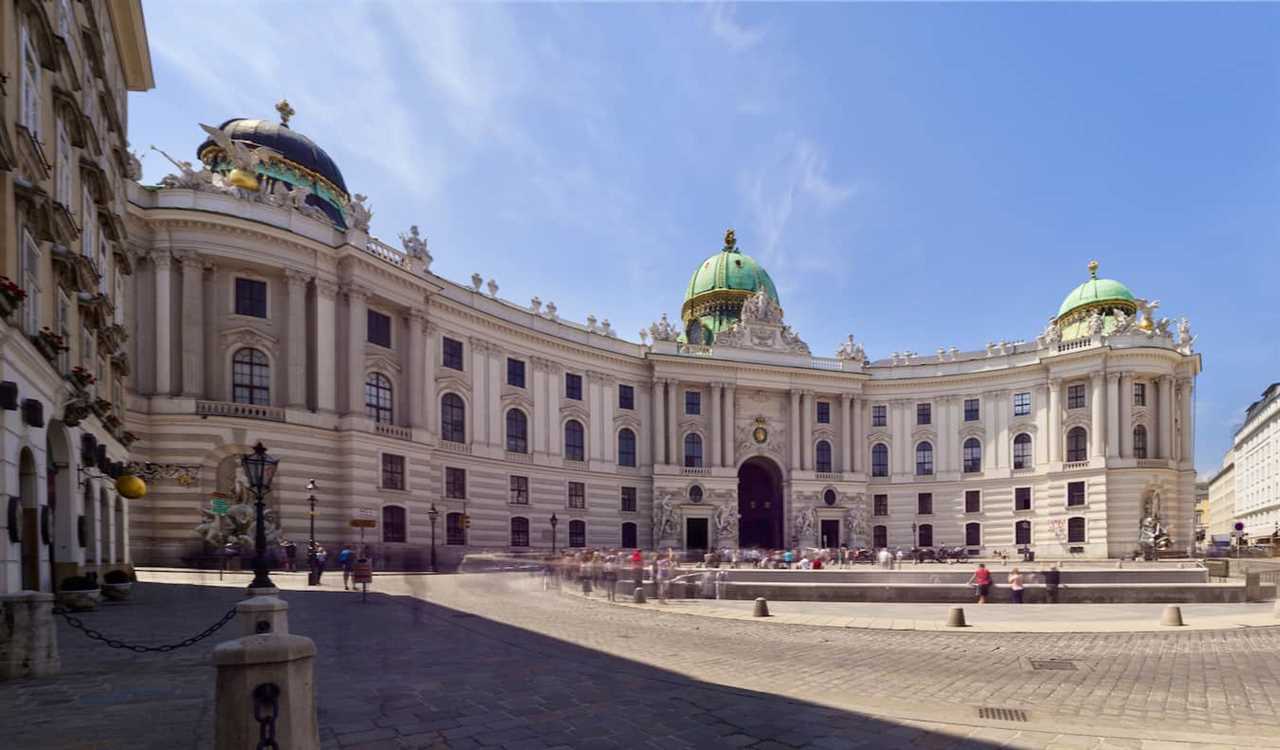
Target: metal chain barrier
266	709
113	643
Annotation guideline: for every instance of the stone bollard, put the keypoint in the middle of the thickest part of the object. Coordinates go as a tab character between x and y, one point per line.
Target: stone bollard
1253	587
1172	616
761	608
28	636
955	618
266	674
637	596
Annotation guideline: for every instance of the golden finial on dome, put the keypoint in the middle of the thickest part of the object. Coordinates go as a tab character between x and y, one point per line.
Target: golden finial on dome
730	241
1093	269
285	111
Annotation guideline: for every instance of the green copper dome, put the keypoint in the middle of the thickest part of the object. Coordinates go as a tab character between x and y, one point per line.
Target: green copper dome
1098	291
730	269
719	286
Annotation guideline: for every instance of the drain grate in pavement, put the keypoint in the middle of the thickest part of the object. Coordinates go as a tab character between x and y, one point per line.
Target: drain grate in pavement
1059	664
1002	714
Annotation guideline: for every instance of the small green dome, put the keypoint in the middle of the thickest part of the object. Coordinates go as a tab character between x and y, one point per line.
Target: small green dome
1095	291
730	269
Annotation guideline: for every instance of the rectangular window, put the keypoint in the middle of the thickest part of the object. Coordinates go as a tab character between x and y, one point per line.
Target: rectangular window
62	185
394	524
924	413
1022	533
455	530
519	490
379	328
451	353
692	402
455	483
88	223
626	397
1075	493
972	501
924	504
879	415
515	372
29	84
61	321
629	499
971	410
1021	404
1075	396
392	471
880	505
30	282
577	495
251	298
1139	394
1075	530
1022	498
573	386
824	412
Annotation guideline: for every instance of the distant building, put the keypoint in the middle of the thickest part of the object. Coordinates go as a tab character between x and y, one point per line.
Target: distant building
1222	498
1202	511
1257	471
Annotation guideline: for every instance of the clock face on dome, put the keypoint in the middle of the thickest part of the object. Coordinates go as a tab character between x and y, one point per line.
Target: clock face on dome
760	435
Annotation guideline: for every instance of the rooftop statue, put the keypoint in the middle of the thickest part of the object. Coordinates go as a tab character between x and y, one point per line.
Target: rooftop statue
358	213
415	246
853	351
663	330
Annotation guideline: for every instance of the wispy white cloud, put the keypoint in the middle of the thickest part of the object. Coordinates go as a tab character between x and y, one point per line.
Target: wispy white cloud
722	17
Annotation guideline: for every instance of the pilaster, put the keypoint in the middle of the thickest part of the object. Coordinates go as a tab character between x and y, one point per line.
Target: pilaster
296	346
326	345
357	332
162	263
1113	414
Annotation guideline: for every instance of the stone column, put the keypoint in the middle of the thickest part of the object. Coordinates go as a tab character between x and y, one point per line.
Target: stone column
595	423
1165	420
1125	409
427	332
1003	414
1113	414
846	437
538	390
164	320
859	445
806	430
1055	419
659	430
193	326
902	448
555	376
296	346
717	427
417	370
945	426
326	347
795	429
729	439
493	394
673	422
1188	420
479	392
1098	419
357	332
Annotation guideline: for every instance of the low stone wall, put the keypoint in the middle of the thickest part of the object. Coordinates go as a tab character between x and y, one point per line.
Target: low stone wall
28	638
1100	593
960	574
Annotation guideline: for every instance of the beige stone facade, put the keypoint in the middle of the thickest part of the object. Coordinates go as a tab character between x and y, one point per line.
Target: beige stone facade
1222	498
64	164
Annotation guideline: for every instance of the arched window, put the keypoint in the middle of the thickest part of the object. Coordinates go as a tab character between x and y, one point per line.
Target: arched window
519	532
1075	530
377	397
1139	442
455	529
926	535
517	431
695	494
577	533
693	450
924	459
972	456
880	536
626	447
1022	451
822	456
250	378
574	441
453	418
393	524
1077	444
973	534
1022	533
629	535
829	497
880	460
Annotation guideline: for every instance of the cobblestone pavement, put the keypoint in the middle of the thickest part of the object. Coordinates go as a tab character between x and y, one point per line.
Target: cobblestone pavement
492	661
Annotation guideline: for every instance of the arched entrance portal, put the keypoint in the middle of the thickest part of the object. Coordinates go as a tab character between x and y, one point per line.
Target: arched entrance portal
760	503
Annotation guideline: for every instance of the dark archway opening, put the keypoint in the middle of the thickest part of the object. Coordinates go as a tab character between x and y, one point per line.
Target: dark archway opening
760	503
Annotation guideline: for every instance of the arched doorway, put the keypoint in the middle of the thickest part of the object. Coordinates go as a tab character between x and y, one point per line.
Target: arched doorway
760	503
28	485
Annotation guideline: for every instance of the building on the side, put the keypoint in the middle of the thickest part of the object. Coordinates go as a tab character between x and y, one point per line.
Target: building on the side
1222	500
1256	446
264	311
64	165
1202	511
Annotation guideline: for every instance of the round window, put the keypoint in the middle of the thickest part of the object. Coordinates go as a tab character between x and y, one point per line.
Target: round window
829	497
695	494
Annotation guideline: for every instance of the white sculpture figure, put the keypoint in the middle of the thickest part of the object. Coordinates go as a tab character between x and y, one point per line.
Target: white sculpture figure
951	354
644	336
664	518
1162	328
591	323
792	341
851	350
1050	336
1147	309
415	246
240	155
535	305
760	308
726	522
605	328
551	310
663	330
493	288
1095	323
855	521
476	282
133	167
1123	323
359	214
1185	339
187	177
805	521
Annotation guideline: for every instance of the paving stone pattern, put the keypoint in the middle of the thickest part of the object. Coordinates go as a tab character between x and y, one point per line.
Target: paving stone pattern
492	661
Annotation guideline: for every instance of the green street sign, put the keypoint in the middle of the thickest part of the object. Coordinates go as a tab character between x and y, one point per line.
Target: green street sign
219	506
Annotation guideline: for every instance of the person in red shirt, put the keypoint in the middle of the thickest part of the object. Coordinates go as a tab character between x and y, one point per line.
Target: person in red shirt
637	567
982	579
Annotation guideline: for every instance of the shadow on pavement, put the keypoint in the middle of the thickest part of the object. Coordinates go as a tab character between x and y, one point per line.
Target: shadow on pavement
399	672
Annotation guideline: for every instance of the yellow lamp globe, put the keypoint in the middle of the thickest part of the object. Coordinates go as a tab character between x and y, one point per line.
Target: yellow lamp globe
131	487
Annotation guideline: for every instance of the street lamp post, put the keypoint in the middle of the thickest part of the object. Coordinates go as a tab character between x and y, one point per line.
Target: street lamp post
260	469
434	515
554	521
311	542
915	540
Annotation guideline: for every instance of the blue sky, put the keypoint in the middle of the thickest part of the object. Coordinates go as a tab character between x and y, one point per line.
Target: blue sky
917	175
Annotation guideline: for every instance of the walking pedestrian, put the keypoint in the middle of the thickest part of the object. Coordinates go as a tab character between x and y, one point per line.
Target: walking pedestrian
637	568
609	574
981	578
663	577
1015	586
318	561
1052	579
346	559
